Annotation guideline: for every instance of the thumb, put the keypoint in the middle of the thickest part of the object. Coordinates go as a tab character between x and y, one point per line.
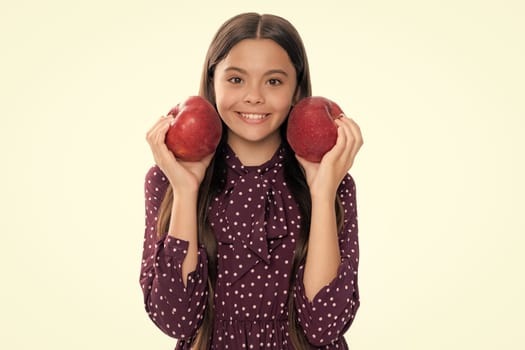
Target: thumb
307	165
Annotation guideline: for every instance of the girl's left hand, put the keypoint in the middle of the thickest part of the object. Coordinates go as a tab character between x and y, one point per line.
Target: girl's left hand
324	178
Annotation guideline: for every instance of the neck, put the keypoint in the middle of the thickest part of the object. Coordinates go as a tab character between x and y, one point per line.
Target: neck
255	153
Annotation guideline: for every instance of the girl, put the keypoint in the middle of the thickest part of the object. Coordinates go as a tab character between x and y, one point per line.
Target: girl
252	247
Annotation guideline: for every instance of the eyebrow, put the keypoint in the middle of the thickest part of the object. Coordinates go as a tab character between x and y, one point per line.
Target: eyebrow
243	71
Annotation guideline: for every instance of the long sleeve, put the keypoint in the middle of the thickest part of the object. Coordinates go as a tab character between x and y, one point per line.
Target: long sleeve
331	312
176	309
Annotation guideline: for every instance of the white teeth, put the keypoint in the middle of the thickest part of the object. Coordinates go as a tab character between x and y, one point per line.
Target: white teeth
253	116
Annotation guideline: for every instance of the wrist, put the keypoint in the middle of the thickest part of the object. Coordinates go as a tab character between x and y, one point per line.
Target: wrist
185	197
320	197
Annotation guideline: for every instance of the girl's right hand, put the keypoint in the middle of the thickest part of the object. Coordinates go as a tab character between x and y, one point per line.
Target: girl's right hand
183	176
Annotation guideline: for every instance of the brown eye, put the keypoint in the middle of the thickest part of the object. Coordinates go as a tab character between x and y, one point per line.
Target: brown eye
274	82
235	80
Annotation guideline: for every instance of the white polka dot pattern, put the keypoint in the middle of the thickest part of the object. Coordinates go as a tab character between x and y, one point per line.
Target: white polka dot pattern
256	222
175	309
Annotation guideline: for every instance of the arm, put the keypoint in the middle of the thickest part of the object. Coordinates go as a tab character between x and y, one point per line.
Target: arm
326	293
330	312
323	258
324	178
175	306
183	226
185	179
174	269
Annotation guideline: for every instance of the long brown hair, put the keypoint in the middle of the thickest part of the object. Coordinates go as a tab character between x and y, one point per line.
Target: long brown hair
240	27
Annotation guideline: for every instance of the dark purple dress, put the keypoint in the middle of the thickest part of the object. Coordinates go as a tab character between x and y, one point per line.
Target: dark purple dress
256	222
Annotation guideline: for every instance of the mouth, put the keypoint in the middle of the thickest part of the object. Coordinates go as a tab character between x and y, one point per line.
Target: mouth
253	117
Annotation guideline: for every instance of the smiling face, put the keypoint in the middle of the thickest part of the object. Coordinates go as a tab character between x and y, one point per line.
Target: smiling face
254	90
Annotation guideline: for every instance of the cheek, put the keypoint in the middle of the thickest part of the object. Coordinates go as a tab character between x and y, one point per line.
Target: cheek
223	95
287	95
220	97
284	102
223	105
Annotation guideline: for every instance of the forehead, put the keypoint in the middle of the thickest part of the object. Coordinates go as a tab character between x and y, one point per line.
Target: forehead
258	54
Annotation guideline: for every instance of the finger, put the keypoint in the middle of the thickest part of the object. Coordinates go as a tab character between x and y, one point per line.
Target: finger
300	159
342	138
151	135
197	164
160	121
159	132
356	139
345	156
198	168
346	140
335	153
350	136
356	130
356	134
156	140
206	160
305	164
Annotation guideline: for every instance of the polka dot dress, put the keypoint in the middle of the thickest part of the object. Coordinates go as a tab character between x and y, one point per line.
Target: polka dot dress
256	223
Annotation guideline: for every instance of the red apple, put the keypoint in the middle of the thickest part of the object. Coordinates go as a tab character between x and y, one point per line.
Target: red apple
196	130
311	128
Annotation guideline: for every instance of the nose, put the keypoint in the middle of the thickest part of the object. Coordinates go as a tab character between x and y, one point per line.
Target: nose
253	95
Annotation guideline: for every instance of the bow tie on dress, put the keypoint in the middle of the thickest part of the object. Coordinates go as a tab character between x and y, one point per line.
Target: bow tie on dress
249	218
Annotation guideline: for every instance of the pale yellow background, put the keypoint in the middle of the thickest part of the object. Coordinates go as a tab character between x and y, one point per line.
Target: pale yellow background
437	87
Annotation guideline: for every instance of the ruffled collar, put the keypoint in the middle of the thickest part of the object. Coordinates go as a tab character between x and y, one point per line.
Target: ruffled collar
248	216
234	163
